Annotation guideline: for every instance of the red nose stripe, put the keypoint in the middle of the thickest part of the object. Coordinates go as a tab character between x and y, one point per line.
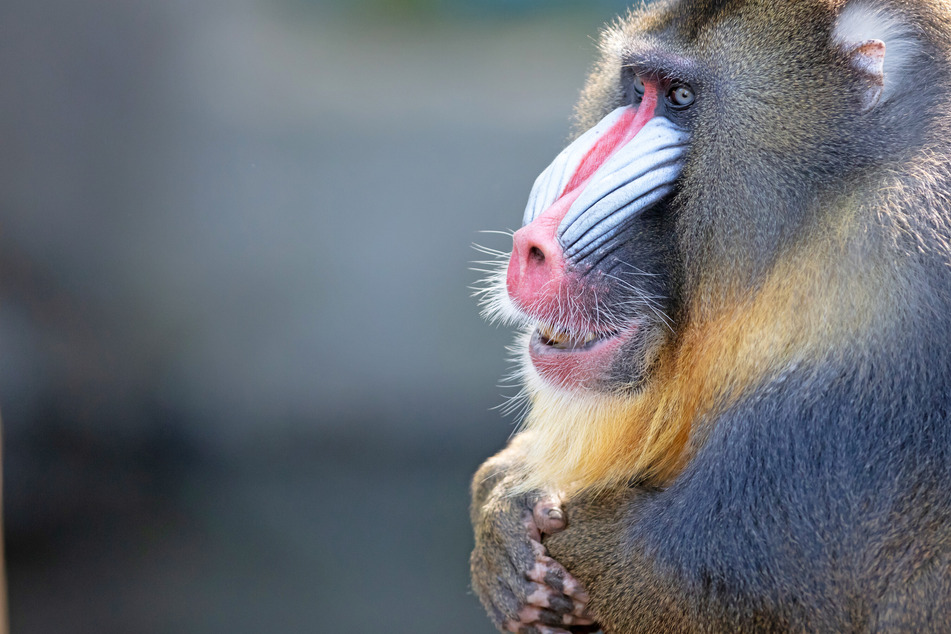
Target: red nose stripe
620	133
537	272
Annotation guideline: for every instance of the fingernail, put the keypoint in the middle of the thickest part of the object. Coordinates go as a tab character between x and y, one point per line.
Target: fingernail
555	514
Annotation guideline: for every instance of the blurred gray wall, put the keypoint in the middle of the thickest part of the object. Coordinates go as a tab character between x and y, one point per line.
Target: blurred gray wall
243	382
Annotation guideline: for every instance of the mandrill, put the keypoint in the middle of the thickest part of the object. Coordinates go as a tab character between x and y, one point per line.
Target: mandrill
734	294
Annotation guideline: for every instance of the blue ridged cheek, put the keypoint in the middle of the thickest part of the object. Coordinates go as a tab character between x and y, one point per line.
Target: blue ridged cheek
634	178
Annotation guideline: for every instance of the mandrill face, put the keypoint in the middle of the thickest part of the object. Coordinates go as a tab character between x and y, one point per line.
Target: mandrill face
590	273
676	203
706	161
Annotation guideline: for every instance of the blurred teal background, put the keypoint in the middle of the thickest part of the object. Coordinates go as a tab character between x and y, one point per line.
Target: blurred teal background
243	382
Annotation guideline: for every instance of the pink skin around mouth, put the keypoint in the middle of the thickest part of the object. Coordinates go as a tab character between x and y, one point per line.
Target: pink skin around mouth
539	280
578	367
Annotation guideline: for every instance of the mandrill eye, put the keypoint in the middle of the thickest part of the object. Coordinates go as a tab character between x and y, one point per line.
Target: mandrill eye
680	96
638	84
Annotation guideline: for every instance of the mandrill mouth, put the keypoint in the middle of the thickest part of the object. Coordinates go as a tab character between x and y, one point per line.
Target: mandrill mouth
552	336
577	358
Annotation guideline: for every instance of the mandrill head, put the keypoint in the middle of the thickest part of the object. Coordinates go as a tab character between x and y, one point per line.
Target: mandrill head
668	256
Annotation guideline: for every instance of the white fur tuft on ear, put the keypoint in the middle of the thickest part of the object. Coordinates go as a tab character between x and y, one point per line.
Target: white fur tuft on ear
861	22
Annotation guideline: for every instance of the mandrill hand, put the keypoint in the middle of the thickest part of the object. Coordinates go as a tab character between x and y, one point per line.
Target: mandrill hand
523	589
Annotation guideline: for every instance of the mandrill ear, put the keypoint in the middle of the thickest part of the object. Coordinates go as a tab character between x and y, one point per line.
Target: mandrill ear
863	31
868	59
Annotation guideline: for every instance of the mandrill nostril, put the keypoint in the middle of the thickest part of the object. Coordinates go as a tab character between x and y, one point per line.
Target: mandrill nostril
536	266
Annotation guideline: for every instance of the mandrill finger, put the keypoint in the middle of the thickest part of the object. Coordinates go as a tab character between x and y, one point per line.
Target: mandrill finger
545	597
511	625
534	615
548	516
549	572
506	610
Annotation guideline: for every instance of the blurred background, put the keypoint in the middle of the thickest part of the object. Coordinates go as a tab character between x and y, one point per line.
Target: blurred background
243	382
